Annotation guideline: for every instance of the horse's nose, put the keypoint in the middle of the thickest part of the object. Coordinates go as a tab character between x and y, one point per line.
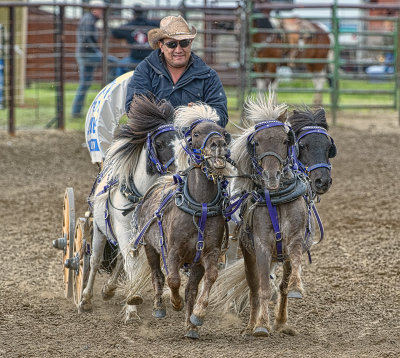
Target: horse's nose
323	185
272	179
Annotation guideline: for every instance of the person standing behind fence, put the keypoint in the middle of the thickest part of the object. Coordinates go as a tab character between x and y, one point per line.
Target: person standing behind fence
88	54
174	73
135	33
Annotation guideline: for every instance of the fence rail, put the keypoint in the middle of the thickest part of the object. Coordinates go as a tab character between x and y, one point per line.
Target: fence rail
223	41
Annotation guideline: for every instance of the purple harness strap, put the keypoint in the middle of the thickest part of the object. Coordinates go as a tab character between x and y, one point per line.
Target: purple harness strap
231	209
273	214
200	237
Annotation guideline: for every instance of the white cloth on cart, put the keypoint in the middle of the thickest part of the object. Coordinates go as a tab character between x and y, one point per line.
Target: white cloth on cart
104	115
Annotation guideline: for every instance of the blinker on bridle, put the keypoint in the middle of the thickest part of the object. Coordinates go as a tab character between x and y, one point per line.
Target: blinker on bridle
309	130
151	136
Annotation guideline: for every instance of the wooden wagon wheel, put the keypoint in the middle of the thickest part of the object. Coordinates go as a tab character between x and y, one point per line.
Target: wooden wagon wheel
81	266
66	242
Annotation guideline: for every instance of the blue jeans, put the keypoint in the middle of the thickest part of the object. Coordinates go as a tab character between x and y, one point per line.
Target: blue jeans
87	65
130	63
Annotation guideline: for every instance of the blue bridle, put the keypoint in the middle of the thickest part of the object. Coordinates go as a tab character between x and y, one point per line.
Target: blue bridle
256	160
197	155
151	136
309	130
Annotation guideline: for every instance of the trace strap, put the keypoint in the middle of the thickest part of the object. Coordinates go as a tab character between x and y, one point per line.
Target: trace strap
273	214
200	237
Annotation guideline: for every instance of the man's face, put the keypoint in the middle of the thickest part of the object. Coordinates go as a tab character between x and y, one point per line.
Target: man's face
176	53
97	12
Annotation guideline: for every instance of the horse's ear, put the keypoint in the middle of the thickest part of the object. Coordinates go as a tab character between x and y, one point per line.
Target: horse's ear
292	141
332	150
228	137
284	116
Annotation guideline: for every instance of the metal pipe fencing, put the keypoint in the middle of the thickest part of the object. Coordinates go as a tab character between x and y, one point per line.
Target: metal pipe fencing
224	42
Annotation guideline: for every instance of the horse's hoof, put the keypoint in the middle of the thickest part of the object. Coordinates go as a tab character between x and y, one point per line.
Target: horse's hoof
85	307
134	300
179	306
197	321
192	334
159	313
261	332
295	294
107	294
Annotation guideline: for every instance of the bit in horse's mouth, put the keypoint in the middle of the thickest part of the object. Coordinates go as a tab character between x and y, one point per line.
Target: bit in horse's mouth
218	162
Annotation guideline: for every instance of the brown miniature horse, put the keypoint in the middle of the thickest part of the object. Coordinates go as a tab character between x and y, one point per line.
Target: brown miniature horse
269	233
187	215
299	34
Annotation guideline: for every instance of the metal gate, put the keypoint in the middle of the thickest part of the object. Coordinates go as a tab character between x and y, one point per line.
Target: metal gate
359	74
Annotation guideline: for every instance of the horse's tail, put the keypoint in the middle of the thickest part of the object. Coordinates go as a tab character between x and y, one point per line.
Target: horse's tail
230	291
138	275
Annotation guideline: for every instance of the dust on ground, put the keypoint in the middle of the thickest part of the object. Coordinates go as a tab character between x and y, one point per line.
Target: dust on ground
351	307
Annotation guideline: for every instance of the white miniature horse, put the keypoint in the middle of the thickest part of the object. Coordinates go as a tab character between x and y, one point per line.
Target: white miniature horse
140	153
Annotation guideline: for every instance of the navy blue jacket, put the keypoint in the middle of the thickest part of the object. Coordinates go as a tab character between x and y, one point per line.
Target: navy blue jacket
86	36
199	83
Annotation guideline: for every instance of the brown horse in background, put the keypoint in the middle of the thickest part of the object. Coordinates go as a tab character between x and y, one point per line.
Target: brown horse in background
299	34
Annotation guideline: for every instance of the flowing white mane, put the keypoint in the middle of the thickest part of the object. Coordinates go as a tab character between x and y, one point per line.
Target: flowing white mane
184	117
117	163
259	109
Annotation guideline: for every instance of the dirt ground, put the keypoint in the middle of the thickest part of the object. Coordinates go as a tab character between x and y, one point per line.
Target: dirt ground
352	303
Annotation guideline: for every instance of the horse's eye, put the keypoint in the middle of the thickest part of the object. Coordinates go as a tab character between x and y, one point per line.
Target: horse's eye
213	145
256	143
195	134
158	145
302	146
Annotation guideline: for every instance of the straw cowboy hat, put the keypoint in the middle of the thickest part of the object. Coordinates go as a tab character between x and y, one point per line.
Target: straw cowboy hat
97	4
172	27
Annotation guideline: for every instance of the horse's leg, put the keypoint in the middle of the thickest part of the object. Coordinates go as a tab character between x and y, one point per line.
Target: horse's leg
274	288
318	79
158	280
263	259
253	282
295	282
174	279
130	267
231	252
108	290
210	263
281	314
98	243
192	287
260	82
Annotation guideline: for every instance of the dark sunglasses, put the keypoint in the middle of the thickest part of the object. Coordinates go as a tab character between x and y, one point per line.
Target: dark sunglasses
174	44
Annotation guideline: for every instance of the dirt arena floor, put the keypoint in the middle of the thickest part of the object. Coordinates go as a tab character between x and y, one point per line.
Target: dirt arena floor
352	303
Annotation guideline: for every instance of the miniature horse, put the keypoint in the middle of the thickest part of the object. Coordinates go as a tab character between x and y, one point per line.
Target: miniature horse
276	225
140	153
315	147
180	220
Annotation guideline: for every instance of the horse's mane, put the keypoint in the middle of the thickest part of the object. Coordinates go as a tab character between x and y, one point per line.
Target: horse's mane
145	115
259	109
305	116
184	117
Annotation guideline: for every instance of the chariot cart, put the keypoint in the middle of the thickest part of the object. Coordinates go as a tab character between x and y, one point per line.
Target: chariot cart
75	242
